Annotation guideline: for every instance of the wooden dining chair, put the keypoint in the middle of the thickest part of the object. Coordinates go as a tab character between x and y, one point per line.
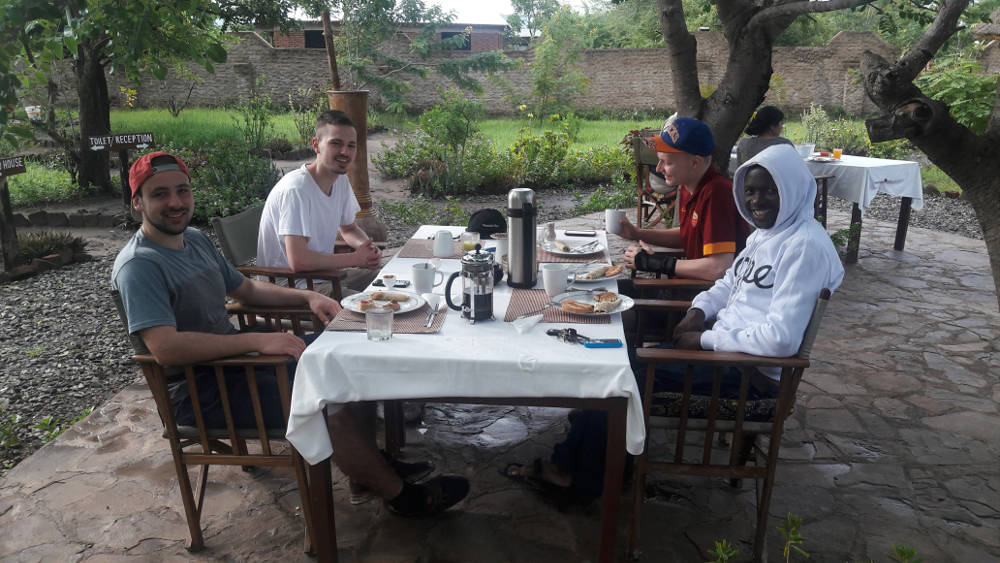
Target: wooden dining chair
647	302
651	206
201	446
704	417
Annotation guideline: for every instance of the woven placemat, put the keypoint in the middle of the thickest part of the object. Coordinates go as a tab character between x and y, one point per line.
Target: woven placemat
407	323
526	300
546	256
424	248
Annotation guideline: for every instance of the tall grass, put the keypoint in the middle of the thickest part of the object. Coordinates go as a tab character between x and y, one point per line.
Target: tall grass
40	184
503	132
193	127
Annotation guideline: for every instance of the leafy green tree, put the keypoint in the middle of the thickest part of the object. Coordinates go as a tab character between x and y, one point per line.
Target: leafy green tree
531	15
367	25
93	37
554	73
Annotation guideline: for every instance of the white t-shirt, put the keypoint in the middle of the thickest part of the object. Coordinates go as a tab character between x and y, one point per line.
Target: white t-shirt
297	206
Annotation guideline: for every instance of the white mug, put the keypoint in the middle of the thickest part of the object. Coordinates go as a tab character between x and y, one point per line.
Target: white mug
426	277
501	241
554	278
443	247
612	217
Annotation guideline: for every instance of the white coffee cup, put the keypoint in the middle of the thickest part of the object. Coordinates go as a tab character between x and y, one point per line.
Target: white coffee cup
443	247
612	218
426	277
554	278
501	241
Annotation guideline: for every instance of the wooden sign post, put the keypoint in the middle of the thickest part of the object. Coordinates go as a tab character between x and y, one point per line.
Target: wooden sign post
8	234
122	144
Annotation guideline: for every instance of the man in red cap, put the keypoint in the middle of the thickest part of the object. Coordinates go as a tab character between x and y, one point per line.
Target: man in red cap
711	231
173	285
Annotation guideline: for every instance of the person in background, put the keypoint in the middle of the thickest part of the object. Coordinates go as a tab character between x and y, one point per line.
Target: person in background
764	131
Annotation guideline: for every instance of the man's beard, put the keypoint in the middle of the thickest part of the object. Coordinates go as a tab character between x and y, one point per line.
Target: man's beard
166	228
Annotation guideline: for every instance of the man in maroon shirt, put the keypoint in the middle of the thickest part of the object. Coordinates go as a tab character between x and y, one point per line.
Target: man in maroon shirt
711	231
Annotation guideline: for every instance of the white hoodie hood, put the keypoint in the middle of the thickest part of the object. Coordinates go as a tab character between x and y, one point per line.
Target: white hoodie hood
763	303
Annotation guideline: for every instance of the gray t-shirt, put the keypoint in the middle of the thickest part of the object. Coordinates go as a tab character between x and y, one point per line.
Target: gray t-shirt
750	146
184	288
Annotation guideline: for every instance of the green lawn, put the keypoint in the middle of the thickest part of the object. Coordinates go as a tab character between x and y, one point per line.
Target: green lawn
193	127
504	132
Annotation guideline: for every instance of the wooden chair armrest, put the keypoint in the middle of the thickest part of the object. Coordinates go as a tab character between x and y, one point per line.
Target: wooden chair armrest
240	360
708	357
645	284
285	273
666	305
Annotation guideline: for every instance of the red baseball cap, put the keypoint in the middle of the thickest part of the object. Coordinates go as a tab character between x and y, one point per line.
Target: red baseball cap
145	168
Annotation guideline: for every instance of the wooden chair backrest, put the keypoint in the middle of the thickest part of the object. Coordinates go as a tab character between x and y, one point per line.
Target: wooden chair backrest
238	234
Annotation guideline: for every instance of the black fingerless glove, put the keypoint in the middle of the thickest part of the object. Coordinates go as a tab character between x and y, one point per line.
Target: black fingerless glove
660	263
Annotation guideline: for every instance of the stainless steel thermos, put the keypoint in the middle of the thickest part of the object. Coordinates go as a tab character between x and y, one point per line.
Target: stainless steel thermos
522	263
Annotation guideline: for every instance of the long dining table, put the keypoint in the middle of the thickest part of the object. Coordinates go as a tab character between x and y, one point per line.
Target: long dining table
488	362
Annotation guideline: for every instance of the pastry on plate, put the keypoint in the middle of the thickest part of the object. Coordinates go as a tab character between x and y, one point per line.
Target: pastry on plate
606	302
574	306
389	296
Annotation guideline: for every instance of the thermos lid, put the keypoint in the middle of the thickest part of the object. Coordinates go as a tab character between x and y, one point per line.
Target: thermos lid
521	198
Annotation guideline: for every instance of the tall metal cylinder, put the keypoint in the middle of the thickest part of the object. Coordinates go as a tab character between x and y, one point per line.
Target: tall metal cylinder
522	262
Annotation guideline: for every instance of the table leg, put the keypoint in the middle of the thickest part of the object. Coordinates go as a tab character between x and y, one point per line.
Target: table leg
321	503
855	241
614	466
904	222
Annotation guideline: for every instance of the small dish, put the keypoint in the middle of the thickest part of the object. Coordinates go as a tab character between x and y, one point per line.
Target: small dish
412	303
588	297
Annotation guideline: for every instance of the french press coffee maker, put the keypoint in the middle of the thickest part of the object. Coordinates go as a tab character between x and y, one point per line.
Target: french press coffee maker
477	286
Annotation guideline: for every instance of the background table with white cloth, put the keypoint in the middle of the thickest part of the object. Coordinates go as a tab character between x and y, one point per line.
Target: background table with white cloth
487	360
859	179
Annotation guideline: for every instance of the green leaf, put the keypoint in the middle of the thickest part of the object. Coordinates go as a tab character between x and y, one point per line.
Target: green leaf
216	53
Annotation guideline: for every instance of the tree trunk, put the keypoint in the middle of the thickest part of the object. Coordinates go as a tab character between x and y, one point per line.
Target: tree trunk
967	158
8	234
95	115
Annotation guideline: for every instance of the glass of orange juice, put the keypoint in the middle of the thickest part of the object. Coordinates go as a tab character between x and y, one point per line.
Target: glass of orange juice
837	153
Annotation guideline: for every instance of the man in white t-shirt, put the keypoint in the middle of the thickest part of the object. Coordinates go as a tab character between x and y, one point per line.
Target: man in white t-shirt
310	205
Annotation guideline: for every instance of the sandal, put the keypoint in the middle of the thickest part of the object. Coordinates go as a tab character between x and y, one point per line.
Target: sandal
557	495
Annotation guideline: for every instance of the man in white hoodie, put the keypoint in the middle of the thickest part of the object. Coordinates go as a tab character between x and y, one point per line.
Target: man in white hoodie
760	306
763	302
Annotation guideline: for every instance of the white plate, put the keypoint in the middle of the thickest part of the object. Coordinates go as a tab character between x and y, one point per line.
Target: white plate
587	297
548	247
353	302
824	159
584	270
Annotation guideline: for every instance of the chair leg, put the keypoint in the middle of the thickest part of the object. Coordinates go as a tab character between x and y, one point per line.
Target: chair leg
192	510
746	448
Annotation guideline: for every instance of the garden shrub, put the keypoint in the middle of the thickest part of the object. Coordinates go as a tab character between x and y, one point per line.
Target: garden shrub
44	184
829	133
228	178
421	211
44	243
619	195
897	149
538	158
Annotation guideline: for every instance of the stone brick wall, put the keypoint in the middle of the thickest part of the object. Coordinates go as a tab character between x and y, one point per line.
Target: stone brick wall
619	78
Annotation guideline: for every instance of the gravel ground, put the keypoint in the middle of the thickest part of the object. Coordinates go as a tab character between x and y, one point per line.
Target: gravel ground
64	350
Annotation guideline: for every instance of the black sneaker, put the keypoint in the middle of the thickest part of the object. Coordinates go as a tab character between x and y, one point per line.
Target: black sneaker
429	498
407	471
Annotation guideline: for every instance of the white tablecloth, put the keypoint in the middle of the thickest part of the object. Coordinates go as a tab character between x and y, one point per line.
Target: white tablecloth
487	359
858	179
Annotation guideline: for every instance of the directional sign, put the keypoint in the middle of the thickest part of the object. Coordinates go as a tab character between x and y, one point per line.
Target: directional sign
12	165
121	142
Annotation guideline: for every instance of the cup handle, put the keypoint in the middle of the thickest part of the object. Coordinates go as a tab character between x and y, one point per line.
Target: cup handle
438	281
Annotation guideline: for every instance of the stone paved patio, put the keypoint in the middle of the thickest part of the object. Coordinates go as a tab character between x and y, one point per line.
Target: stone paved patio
895	439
